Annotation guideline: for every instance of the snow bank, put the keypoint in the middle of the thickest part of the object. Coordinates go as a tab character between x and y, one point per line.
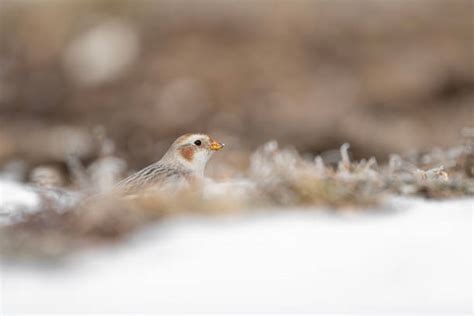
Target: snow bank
413	257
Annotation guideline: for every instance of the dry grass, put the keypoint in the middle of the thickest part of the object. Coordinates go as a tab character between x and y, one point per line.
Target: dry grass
277	178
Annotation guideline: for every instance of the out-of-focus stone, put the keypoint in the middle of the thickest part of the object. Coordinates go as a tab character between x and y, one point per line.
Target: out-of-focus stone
103	53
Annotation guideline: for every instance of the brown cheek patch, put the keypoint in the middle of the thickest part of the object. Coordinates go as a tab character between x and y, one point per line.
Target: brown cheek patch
187	153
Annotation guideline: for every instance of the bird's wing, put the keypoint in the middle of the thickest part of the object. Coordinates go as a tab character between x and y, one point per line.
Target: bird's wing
156	174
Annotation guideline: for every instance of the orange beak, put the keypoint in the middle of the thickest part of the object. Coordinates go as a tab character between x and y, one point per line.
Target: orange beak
216	145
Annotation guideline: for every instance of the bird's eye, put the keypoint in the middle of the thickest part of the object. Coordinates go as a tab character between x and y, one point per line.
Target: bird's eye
197	143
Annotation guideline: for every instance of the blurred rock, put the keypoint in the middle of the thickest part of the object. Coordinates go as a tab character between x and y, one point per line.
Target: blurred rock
103	53
46	177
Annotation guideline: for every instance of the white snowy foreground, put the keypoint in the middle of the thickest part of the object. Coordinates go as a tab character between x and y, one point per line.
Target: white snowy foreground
414	257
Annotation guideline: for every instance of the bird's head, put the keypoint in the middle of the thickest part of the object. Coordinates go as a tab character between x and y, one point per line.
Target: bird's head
193	151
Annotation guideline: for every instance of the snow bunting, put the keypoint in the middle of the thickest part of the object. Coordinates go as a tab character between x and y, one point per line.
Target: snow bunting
183	163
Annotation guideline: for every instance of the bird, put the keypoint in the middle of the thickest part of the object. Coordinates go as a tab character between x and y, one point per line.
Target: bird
182	165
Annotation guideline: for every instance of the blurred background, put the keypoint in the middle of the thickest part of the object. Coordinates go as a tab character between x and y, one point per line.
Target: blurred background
385	76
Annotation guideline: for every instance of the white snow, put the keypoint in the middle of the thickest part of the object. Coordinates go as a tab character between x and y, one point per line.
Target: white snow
19	199
414	257
16	200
